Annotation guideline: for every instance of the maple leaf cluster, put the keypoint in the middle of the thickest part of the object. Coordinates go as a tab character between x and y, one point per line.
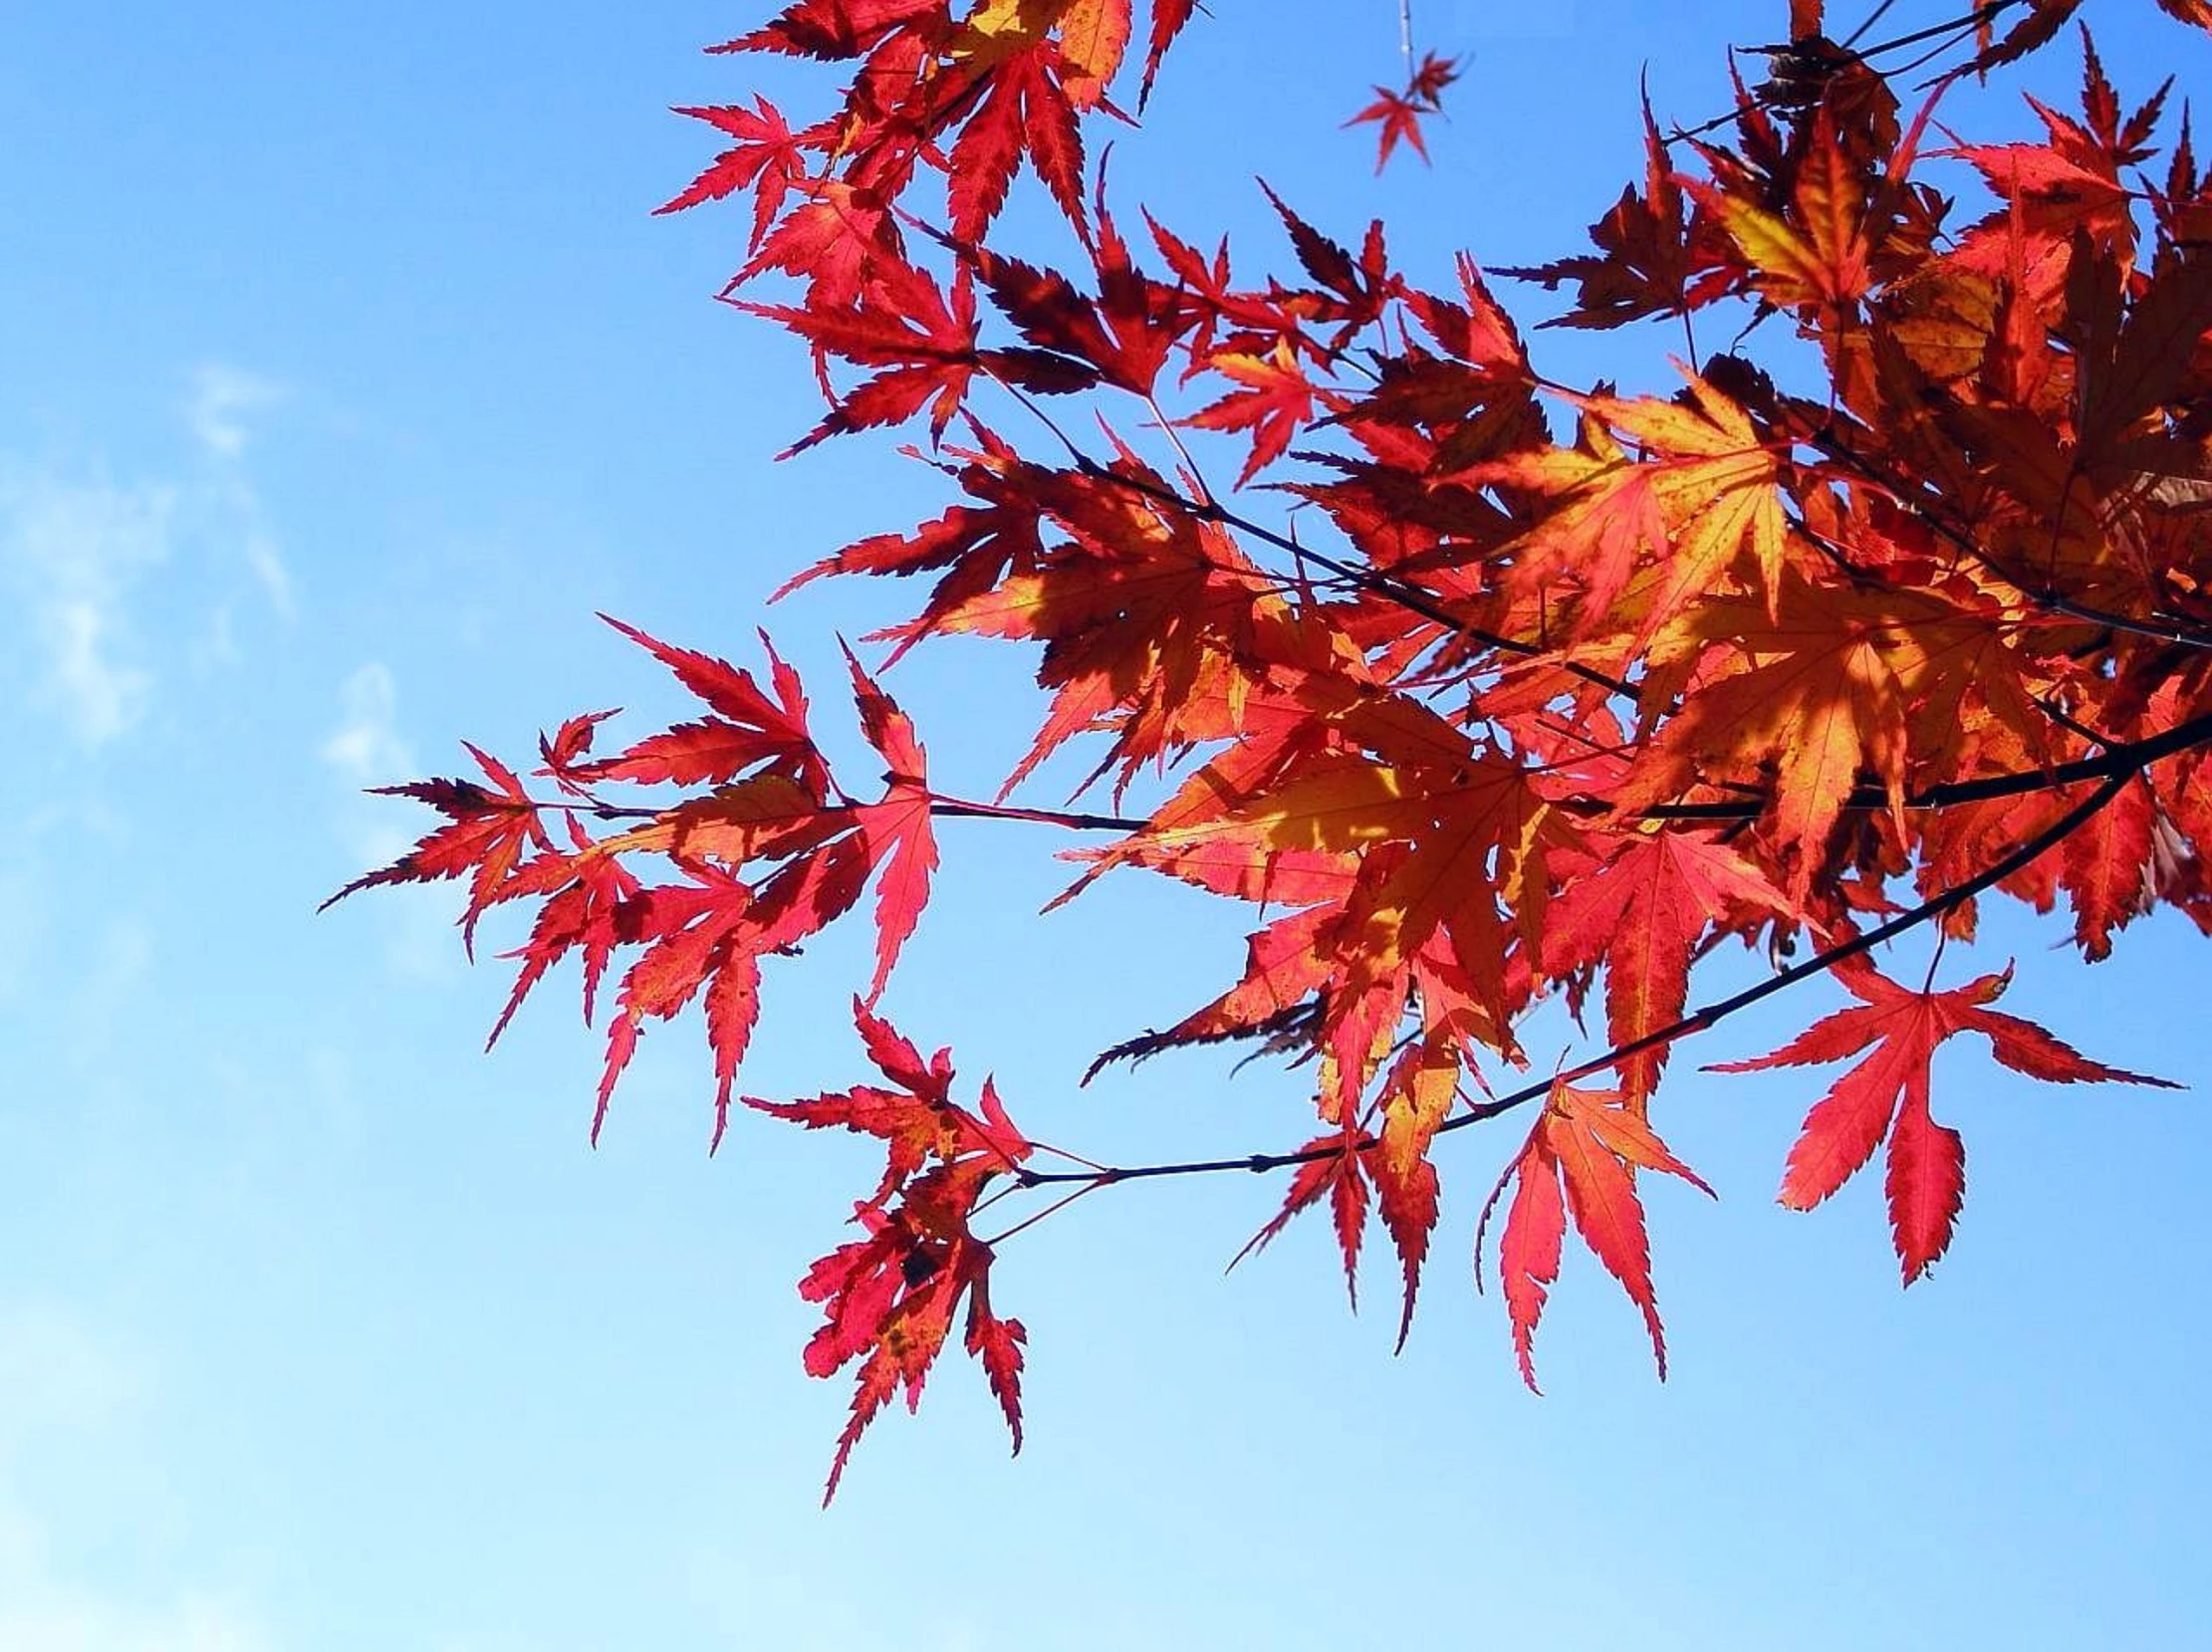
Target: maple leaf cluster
1554	692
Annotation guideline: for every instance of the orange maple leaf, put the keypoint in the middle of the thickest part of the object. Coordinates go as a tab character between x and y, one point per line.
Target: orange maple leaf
1589	1144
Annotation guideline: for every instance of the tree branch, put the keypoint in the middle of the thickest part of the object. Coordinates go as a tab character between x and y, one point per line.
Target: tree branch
1698	1020
2124	758
2120	759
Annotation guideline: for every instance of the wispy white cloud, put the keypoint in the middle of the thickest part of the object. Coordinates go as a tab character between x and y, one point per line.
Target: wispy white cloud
221	410
366	749
74	552
222	400
103	695
64	1378
267	567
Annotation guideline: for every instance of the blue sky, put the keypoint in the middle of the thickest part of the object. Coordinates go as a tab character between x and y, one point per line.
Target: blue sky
346	375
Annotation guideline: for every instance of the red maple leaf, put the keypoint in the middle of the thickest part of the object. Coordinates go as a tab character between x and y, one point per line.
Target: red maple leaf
903	321
1398	114
837	29
485	839
767	158
1168	18
896	831
752	728
1277	403
1023	112
1589	1144
890	1297
1643	912
1927	1161
842	234
1647	260
1488	715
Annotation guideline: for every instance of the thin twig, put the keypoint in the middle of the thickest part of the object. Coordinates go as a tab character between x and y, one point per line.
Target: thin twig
1698	1020
1764	98
1391	591
1830	442
1873	17
2119	758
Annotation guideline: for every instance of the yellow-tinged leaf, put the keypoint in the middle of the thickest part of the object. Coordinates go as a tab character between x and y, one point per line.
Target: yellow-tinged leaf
1334	809
1786	268
1943	321
1416	1097
1705	486
766	814
1029	19
1000	28
1831	202
1806	711
1094	36
1813	252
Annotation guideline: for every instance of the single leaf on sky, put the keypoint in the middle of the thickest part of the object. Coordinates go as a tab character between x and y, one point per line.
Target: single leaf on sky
1886	1094
1168	18
1645	264
1587	1145
1335	1170
1397	116
833	29
750	726
918	1121
902	324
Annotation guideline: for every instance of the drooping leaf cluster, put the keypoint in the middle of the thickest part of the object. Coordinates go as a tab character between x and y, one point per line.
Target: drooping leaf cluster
1554	691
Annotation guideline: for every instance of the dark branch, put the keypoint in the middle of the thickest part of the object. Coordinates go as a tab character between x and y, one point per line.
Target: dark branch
1700	1019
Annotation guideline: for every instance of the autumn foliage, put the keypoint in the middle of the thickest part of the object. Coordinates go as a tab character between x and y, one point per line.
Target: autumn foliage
1477	689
